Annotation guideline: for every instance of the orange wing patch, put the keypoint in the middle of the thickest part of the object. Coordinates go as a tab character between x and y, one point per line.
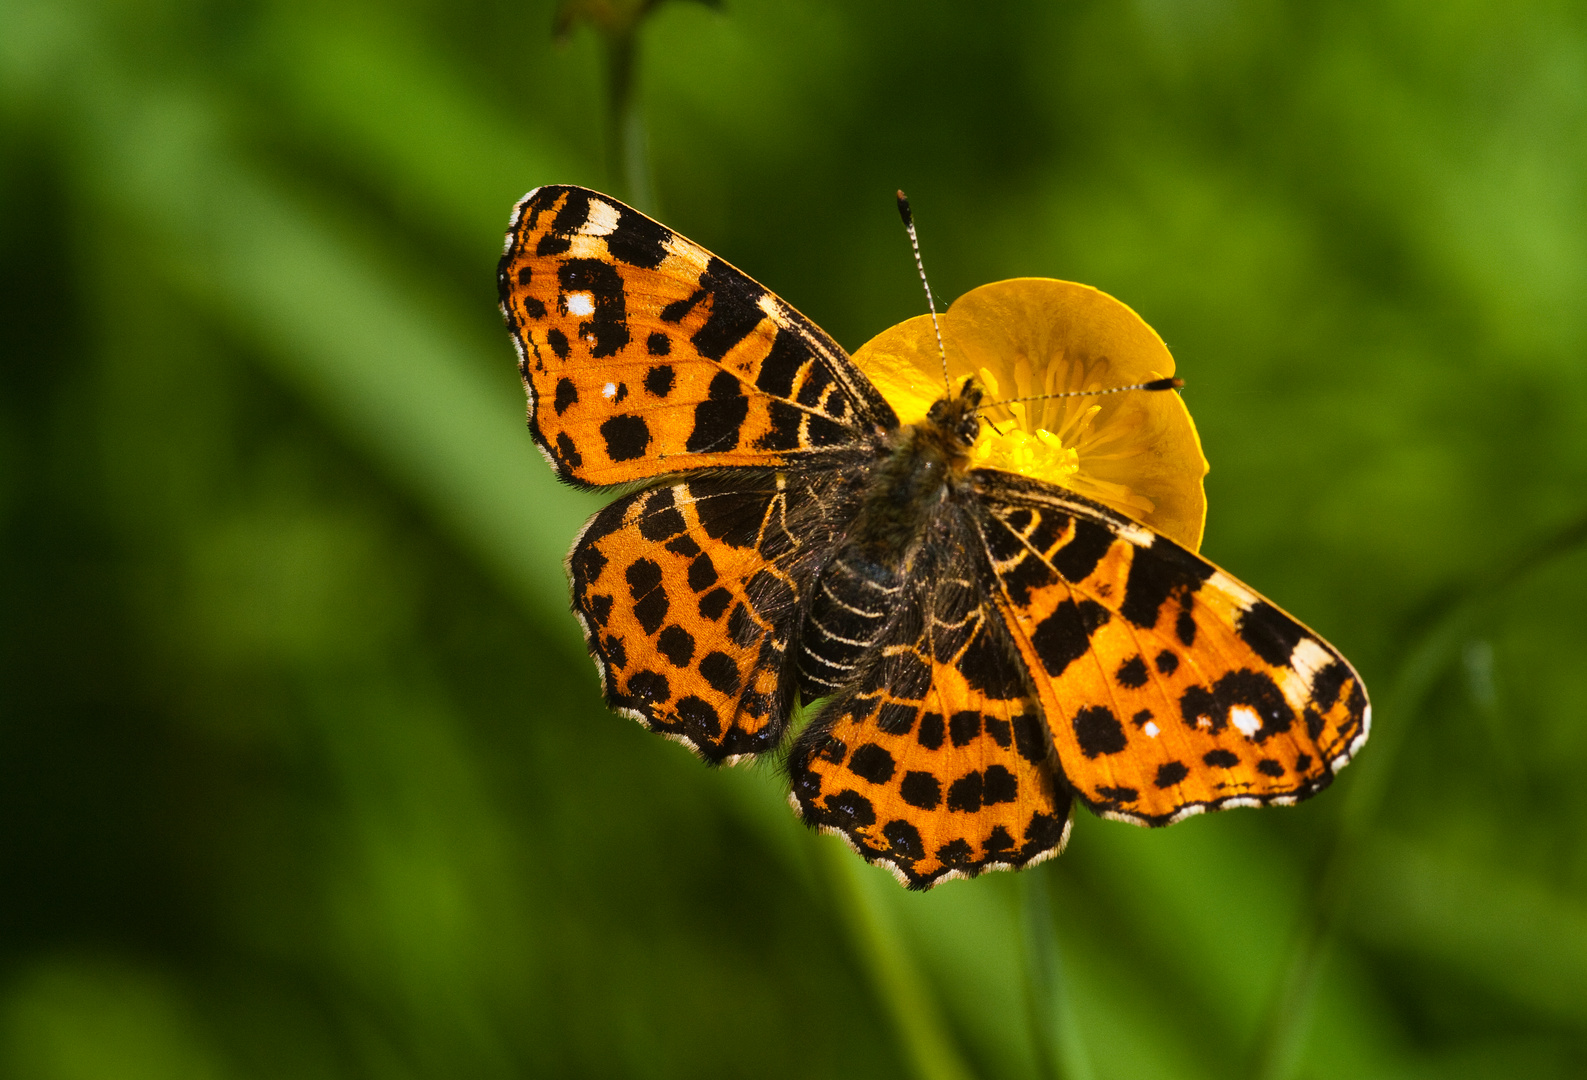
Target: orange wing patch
937	764
1169	687
643	354
688	594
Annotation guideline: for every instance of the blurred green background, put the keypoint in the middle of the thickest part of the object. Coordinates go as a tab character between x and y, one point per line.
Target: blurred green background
303	772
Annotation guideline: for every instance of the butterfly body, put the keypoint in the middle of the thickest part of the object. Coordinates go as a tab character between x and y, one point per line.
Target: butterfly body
989	646
911	499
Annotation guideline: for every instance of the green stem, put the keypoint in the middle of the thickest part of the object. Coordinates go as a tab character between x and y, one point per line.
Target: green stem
922	1031
1283	1034
1055	1028
627	146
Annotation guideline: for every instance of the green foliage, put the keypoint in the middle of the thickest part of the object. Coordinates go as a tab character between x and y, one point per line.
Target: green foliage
302	770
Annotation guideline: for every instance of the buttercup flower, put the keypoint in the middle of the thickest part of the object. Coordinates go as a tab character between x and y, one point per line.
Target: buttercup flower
1136	451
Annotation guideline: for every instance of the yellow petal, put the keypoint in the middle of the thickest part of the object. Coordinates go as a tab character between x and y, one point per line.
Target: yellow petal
1136	452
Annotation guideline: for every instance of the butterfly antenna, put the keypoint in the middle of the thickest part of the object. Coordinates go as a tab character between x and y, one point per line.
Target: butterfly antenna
1155	384
914	242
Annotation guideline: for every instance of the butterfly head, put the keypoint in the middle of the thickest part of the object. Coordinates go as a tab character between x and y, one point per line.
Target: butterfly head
955	415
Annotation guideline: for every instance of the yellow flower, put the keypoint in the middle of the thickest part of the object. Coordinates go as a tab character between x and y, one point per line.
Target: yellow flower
1136	451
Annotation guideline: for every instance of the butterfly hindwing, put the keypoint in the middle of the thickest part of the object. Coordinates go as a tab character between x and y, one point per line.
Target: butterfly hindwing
936	761
643	354
1169	687
689	595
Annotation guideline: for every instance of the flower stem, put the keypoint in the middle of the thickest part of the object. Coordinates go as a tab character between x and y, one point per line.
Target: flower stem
865	898
1055	1028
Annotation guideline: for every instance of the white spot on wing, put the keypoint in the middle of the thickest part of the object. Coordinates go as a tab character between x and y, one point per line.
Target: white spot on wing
1230	587
1244	719
1136	535
1151	729
609	391
1308	658
602	220
581	303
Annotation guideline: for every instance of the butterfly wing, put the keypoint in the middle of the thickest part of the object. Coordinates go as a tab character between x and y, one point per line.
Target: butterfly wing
689	594
643	354
935	761
1169	688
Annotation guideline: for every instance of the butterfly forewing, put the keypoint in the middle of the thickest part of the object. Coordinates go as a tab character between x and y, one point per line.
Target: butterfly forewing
1169	688
643	354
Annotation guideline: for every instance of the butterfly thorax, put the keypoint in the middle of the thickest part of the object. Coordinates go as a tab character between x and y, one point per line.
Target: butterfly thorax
919	470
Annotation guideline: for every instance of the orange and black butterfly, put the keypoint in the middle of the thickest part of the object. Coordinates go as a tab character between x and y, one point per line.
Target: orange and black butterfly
987	646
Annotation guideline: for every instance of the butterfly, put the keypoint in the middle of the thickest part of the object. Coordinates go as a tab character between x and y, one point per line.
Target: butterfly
983	648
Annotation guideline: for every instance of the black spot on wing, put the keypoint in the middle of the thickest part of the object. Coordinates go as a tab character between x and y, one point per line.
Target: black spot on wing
732	518
717	419
1253	690
823	432
1098	731
1065	635
932	730
963	727
1272	634
1079	557
955	853
990	669
964	794
567	396
905	840
608	323
784	431
573	213
713	603
675	311
558	342
1170	773
1221	759
1155	572
568	452
850	810
702	573
1001	786
551	245
788	354
677	645
921	790
699	720
1030	737
721	672
616	654
659	344
1132	673
659	380
735	310
683	545
873	763
649	686
626	437
1326	684
637	240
